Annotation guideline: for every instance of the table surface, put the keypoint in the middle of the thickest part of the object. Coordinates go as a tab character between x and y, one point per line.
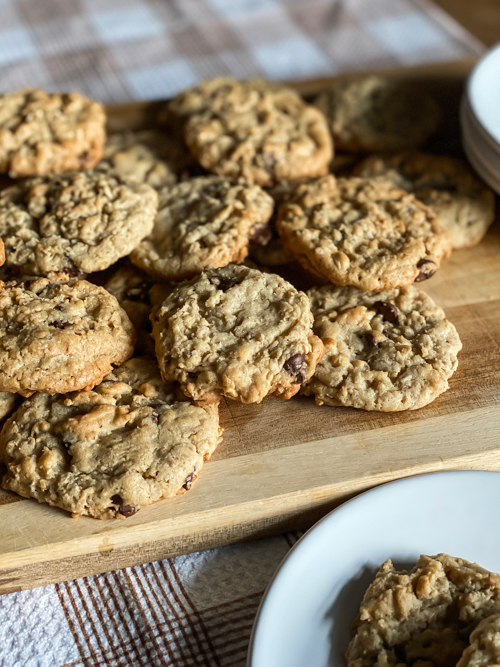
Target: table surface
480	17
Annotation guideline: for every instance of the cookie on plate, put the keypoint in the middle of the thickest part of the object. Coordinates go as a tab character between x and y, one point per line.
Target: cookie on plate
464	204
236	332
108	452
253	129
362	232
205	222
422	617
376	113
386	351
484	649
59	337
73	222
45	133
148	156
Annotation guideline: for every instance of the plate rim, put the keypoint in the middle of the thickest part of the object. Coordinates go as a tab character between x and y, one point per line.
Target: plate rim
376	489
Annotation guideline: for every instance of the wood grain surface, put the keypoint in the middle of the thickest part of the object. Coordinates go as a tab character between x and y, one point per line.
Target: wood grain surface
284	464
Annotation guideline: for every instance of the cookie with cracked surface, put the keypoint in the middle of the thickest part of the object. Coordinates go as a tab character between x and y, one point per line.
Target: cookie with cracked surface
205	222
74	222
253	129
45	133
136	291
464	204
236	332
422	617
484	649
376	113
108	452
58	337
387	351
362	232
148	156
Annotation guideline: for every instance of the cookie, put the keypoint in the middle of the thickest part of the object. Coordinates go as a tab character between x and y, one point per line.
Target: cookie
423	617
59	337
267	249
110	451
7	403
205	222
362	232
484	649
236	332
132	289
45	133
73	222
253	129
376	113
148	156
464	204
387	351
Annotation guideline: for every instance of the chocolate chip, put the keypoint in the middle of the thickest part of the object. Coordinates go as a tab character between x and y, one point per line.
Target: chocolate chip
72	273
222	283
427	269
261	235
61	325
269	160
155	418
388	310
59	308
189	481
300	378
126	510
294	364
116	499
370	339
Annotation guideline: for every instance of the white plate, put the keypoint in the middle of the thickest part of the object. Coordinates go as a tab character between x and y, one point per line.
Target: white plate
483	92
306	613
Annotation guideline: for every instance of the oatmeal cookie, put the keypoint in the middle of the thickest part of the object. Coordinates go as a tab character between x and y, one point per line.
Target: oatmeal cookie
136	291
256	130
205	222
236	332
376	113
423	617
73	222
385	351
484	649
464	204
42	133
59	337
148	156
108	452
362	232
7	403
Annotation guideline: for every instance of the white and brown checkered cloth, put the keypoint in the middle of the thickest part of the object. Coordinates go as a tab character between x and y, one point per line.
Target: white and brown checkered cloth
196	609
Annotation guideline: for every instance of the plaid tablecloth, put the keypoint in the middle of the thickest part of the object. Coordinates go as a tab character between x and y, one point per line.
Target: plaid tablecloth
196	609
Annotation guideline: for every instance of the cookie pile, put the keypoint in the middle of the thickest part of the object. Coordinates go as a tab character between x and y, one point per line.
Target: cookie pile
141	277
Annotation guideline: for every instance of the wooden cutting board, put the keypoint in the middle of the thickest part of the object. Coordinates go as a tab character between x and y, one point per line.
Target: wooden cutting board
284	464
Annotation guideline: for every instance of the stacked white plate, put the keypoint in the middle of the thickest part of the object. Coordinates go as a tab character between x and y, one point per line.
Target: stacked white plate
480	118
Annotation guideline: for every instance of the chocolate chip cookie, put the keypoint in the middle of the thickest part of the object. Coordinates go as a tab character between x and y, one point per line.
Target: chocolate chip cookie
73	222
205	222
376	113
254	129
59	337
362	232
236	332
108	452
423	617
464	204
149	156
385	351
45	133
